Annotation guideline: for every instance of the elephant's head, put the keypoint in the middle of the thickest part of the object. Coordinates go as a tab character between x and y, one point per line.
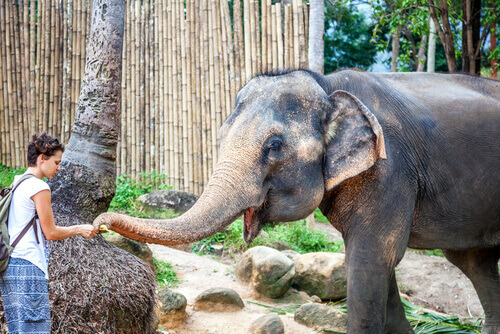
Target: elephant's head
286	142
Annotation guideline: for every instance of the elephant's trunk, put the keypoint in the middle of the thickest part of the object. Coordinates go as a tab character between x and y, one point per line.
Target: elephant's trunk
225	198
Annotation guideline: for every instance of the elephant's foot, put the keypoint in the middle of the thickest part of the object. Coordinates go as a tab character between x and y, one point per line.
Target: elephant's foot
403	329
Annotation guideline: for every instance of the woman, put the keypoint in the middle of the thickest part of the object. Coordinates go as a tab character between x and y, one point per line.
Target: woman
24	284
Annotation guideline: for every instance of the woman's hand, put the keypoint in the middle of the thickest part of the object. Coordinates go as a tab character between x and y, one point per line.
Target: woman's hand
87	231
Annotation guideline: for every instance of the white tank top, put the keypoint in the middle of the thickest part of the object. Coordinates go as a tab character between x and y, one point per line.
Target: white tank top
22	210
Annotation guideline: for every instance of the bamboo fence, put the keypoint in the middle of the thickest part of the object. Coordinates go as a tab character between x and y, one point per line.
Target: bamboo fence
183	62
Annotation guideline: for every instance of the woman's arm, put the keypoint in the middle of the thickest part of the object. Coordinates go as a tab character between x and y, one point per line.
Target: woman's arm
49	228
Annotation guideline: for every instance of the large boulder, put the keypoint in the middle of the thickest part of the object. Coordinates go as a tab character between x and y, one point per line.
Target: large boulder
269	271
219	300
321	317
176	200
139	249
267	324
171	308
321	274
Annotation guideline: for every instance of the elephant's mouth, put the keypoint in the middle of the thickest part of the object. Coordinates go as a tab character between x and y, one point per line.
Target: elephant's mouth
251	224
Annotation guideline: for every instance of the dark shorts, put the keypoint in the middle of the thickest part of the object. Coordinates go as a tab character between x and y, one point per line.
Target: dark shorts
25	295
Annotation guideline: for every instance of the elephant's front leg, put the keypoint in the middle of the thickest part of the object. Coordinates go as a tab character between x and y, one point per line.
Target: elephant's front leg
370	287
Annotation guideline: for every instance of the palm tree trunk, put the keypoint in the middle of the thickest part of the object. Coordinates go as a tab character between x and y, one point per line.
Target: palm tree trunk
395	49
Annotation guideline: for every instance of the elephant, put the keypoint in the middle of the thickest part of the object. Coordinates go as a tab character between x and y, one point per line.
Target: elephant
393	160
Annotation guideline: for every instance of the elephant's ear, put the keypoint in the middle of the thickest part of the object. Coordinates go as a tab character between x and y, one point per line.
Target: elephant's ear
354	139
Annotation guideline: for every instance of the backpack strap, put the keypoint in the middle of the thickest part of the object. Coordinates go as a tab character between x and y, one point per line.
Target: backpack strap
32	222
25	230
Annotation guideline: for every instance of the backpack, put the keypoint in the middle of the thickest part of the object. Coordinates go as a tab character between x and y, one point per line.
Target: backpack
5	247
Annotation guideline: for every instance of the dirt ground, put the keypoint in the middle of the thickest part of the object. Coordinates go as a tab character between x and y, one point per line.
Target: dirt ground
430	282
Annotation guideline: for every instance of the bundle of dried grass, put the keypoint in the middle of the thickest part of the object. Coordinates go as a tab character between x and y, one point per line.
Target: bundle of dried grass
96	287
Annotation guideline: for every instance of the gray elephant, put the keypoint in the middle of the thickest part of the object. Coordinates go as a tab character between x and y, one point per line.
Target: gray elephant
393	161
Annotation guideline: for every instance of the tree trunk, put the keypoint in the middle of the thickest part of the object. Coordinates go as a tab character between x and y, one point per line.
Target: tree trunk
421	54
86	293
395	49
444	33
431	51
316	36
470	40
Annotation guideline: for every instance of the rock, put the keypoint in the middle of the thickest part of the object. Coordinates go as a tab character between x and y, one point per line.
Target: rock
179	201
281	245
269	272
291	254
172	308
139	249
321	274
219	300
268	324
321	317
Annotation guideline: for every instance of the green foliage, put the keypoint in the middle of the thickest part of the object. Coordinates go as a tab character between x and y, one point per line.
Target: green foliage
166	275
128	190
319	217
425	322
7	175
296	234
346	47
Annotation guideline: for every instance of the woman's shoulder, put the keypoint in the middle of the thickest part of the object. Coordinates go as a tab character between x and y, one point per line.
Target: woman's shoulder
32	183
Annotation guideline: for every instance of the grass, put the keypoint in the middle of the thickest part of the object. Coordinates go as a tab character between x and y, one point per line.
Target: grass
7	175
296	235
166	275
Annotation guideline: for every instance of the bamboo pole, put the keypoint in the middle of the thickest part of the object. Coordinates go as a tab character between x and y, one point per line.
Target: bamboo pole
17	82
199	97
4	134
25	65
11	86
253	37
52	119
239	52
148	114
274	47
286	47
170	107
157	117
269	46
206	119
248	41
213	107
142	120
265	27
77	36
296	42
190	35
163	98
134	87
279	35
229	54
177	67
256	44
32	76
219	105
185	93
302	40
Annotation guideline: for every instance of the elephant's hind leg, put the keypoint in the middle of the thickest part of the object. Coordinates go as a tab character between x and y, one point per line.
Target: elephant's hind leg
395	322
481	266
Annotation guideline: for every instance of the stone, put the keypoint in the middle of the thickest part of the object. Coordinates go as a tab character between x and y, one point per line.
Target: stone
269	272
219	300
172	308
321	317
321	274
291	254
139	249
281	245
268	324
179	201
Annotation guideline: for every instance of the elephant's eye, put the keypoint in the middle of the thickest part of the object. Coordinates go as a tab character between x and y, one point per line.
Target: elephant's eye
275	145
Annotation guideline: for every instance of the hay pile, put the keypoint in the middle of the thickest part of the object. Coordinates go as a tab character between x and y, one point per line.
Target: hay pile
96	287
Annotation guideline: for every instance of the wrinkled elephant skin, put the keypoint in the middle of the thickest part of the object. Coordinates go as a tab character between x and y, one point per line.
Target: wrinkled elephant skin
393	161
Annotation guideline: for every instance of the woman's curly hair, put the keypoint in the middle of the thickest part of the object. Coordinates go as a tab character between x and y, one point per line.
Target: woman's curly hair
42	143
